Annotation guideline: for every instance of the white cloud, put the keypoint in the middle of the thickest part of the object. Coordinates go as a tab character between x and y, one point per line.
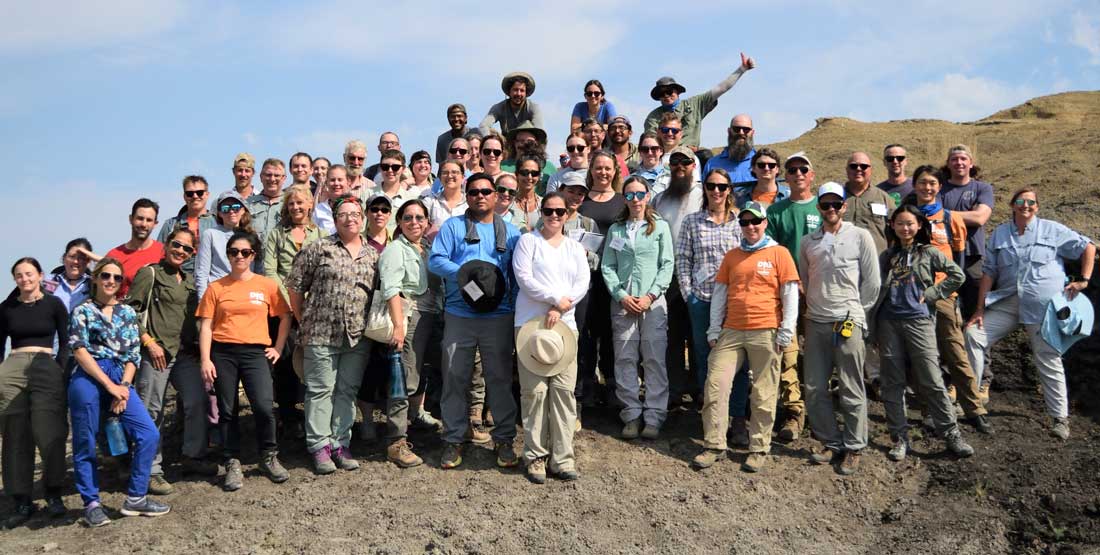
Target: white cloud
250	139
957	97
60	24
1086	35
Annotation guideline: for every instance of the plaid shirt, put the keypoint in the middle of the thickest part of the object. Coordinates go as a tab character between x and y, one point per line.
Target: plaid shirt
337	288
699	252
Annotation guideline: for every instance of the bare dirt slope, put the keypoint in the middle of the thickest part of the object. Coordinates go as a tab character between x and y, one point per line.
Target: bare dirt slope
1023	492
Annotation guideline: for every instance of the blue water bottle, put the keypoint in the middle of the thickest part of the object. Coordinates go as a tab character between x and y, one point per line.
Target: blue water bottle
116	437
397	378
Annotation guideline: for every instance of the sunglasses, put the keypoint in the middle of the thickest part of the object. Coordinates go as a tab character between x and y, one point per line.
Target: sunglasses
575	148
528	173
377	209
830	205
1025	202
592	94
681	162
860	167
413	218
559	212
766	165
746	222
492	152
740	129
478	192
195	194
355	158
506	191
227	208
390	167
670	130
894	158
634	195
723	187
800	169
649	149
459	151
108	276
185	248
666	92
234	252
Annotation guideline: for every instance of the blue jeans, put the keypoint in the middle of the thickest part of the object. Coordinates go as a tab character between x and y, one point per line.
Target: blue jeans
699	312
88	404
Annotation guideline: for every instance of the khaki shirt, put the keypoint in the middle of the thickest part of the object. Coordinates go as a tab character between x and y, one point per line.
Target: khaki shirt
870	210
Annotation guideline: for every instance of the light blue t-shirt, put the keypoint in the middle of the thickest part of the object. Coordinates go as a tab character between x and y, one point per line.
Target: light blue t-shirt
604	115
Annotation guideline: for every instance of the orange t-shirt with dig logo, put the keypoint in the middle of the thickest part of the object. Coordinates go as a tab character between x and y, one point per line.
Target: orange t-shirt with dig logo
753	282
240	308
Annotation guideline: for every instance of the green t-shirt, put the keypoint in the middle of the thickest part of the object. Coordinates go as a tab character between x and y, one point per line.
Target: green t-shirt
789	221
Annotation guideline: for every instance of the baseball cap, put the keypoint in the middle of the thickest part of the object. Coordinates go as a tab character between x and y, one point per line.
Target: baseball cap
800	155
231	194
574	179
681	149
456	107
620	119
831	188
755	208
246	158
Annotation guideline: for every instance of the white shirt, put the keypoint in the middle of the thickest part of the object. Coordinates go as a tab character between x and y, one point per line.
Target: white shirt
545	274
673	210
322	216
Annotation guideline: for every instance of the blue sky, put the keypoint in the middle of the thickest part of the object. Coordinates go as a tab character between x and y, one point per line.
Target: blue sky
104	102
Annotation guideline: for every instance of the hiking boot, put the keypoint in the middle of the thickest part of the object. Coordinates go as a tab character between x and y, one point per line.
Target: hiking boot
754	462
738	433
981	423
477	434
536	471
96	516
55	507
791	429
951	393
1061	428
475	415
928	423
899	450
322	461
400	453
577	424
566	475
342	458
983	394
159	486
957	445
425	421
452	456
201	467
850	464
631	429
707	458
234	477
24	508
823	455
506	456
488	419
651	432
144	507
272	468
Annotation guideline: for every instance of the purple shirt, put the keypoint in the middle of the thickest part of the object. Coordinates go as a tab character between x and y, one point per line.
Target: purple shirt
964	198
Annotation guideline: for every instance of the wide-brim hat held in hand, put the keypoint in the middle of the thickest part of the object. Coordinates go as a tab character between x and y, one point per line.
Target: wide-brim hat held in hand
545	351
482	285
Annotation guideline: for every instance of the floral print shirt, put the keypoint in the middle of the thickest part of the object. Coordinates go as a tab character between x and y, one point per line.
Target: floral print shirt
116	338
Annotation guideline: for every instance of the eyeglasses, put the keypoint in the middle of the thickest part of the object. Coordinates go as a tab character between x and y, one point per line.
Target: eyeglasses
559	212
349	215
529	173
575	148
681	162
234	252
649	149
859	167
185	248
227	208
390	167
377	209
894	158
352	158
723	187
746	222
1025	202
478	192
830	205
592	94
766	165
108	276
459	151
740	129
446	173
494	152
800	169
413	218
195	194
634	195
670	130
506	191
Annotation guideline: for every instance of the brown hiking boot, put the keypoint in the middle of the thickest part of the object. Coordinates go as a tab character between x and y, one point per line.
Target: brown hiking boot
755	462
983	394
475	415
791	429
738	434
850	464
707	458
400	453
477	434
951	393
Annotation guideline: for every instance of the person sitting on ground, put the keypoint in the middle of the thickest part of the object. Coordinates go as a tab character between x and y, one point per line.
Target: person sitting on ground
517	108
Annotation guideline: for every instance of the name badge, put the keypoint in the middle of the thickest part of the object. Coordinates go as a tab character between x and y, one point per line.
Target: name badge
878	209
473	291
618	243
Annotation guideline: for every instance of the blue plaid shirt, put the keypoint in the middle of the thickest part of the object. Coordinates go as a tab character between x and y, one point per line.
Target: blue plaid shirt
702	245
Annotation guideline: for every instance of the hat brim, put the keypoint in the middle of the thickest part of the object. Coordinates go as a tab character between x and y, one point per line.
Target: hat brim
526	77
539	134
653	92
527	359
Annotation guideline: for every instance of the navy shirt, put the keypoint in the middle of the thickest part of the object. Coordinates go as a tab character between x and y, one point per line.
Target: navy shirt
964	198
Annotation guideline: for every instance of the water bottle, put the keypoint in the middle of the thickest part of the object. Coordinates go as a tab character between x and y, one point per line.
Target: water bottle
397	377
116	437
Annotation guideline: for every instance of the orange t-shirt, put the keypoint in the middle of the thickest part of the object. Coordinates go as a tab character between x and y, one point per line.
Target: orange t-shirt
753	283
940	241
240	309
765	198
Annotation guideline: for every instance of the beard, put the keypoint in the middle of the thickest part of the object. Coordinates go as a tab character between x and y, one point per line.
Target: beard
354	173
740	147
679	187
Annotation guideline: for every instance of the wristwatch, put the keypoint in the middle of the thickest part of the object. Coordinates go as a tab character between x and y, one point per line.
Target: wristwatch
124	384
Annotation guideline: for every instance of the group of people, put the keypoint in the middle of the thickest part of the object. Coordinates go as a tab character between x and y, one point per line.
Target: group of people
640	276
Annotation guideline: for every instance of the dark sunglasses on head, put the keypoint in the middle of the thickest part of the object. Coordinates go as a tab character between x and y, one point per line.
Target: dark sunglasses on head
185	248
745	222
479	192
234	252
195	194
766	165
377	209
528	173
227	208
108	276
670	130
800	169
894	158
575	148
492	151
680	162
460	151
830	205
634	195
390	167
861	167
559	212
505	190
593	94
649	149
723	187
740	129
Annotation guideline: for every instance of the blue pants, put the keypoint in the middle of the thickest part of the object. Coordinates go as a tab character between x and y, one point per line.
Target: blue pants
699	312
88	405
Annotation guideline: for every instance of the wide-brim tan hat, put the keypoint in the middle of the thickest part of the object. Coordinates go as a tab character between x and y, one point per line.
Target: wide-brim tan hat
522	75
545	351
